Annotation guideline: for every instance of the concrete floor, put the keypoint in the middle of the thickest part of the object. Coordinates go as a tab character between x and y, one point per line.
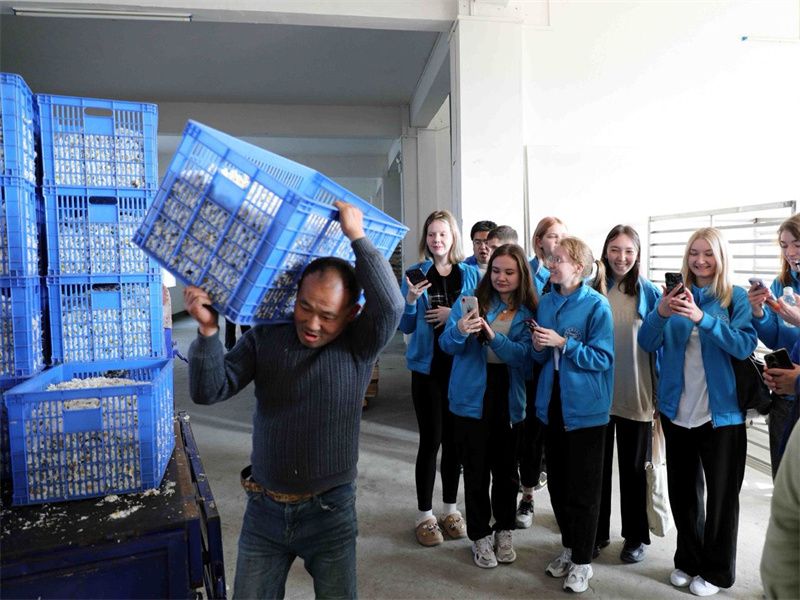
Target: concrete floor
391	564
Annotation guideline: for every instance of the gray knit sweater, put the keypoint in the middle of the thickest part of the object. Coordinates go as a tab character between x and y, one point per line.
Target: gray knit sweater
308	400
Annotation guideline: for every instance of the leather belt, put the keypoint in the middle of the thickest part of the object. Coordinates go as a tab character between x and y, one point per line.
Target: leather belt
251	485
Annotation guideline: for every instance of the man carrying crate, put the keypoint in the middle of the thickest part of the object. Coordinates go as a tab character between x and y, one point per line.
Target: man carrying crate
310	378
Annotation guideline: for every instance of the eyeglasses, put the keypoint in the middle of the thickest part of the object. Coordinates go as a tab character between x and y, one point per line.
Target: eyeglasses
479	243
556	260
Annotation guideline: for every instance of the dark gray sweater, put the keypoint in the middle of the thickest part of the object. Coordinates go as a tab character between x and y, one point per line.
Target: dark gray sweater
308	400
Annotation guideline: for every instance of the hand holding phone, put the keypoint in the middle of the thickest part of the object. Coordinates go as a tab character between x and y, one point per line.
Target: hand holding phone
673	280
779	359
756	281
470	321
416	276
530	324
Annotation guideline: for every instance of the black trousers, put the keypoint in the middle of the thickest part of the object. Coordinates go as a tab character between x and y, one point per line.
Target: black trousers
706	534
435	422
574	478
230	334
634	447
531	452
487	449
778	415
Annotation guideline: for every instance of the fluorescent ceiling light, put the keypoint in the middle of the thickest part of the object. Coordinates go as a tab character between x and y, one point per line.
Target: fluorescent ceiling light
90	13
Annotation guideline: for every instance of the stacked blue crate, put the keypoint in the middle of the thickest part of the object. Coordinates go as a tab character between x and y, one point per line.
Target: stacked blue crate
21	326
99	170
80	441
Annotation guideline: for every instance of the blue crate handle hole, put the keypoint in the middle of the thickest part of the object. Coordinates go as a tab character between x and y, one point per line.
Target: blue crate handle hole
95	111
82	415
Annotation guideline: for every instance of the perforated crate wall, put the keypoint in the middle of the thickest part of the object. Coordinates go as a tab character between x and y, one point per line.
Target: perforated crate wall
20	327
81	443
91	232
242	222
18	124
19	228
105	317
98	143
5	448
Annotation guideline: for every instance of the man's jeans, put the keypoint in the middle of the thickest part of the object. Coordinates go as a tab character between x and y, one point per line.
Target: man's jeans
321	530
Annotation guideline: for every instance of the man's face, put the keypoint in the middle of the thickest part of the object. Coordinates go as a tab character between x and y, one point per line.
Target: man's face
322	310
481	248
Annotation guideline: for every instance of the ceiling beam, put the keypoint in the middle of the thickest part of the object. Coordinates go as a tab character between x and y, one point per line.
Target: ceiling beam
283	120
430	15
433	86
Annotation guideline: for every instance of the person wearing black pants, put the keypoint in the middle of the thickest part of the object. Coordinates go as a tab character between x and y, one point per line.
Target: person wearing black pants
429	393
531	454
699	326
484	446
706	538
230	334
631	298
634	443
430	288
574	343
575	460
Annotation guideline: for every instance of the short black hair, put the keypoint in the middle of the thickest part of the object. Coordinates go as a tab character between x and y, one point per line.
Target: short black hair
481	226
343	268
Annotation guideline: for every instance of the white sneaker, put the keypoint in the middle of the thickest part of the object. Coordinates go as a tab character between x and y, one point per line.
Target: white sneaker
524	517
504	547
560	566
700	587
578	578
679	578
483	553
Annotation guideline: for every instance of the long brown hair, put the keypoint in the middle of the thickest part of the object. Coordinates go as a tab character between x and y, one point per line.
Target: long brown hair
524	295
630	283
792	225
580	253
456	254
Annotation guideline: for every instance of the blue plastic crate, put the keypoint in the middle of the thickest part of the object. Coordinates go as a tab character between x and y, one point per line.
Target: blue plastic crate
80	443
105	317
90	231
5	448
18	125
87	142
242	223
19	228
20	327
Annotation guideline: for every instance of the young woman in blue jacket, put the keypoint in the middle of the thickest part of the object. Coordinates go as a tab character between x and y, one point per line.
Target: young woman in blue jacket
574	341
532	469
631	297
491	348
769	322
698	329
427	308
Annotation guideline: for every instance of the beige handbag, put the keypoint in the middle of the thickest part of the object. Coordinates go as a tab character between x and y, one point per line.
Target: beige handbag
659	514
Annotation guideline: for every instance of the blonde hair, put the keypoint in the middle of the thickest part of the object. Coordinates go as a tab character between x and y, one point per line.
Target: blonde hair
456	254
792	225
580	253
721	285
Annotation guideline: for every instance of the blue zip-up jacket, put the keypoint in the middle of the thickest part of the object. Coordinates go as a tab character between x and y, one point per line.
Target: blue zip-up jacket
539	275
771	329
471	261
468	377
719	340
586	369
419	354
